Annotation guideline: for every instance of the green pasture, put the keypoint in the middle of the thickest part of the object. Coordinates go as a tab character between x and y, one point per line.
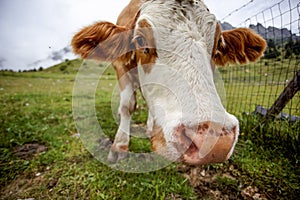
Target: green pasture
259	84
43	157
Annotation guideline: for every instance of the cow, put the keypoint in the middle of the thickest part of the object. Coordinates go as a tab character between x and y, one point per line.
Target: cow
169	49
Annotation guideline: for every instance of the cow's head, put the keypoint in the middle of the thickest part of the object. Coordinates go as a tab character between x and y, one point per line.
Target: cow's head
175	45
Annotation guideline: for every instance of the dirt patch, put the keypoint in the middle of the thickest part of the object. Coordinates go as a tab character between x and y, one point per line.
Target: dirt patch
21	186
27	151
219	183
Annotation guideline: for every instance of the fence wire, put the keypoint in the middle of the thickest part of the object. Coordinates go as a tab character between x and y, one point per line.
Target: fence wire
252	86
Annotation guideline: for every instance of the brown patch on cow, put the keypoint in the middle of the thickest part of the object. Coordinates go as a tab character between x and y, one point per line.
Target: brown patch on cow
128	13
239	45
126	71
217	39
123	148
157	139
119	148
126	65
203	127
145	44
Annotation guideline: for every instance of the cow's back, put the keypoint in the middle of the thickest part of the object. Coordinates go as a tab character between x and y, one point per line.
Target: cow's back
128	13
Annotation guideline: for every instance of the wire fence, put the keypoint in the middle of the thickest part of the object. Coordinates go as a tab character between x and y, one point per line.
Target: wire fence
255	87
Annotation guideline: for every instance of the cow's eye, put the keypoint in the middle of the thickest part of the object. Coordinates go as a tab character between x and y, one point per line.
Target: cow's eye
140	41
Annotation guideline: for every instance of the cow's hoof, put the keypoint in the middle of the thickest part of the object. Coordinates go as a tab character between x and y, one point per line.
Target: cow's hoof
116	156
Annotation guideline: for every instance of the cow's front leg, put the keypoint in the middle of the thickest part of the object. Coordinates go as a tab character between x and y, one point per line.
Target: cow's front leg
119	149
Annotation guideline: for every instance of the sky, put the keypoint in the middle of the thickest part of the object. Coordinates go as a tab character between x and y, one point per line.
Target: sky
34	33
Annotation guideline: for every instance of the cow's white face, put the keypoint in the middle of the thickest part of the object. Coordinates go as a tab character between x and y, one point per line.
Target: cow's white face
174	44
175	41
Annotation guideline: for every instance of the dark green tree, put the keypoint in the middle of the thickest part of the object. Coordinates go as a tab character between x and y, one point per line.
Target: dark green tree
296	47
272	51
288	48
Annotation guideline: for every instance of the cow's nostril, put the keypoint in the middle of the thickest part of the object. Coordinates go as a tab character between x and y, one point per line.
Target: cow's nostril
146	51
184	138
183	132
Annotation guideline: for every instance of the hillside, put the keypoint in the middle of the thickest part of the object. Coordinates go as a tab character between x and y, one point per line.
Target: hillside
68	66
274	33
71	67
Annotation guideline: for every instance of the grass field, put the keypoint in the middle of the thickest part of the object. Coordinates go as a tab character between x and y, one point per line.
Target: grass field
259	84
42	156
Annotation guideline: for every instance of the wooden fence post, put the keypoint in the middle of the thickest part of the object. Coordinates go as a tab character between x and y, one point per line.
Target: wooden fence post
288	93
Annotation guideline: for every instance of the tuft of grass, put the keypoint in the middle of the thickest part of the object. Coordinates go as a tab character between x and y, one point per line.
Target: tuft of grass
279	136
269	170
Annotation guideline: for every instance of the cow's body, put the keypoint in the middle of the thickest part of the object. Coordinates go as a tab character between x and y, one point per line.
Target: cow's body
169	49
129	13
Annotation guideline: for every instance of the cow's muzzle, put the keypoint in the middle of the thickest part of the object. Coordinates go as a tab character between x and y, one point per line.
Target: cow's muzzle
209	142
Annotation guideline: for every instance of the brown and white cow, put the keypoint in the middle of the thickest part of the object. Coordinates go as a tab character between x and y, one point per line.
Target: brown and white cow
169	48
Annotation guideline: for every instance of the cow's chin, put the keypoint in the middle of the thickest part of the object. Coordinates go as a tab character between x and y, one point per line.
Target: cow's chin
207	143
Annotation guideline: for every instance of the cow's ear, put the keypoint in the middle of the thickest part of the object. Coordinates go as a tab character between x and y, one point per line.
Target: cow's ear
239	45
103	41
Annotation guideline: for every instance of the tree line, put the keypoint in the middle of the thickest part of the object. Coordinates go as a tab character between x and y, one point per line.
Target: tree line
287	50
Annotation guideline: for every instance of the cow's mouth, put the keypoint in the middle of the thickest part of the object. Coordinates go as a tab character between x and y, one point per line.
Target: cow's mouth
208	143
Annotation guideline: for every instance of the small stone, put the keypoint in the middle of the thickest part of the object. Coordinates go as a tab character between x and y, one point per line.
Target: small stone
202	173
38	174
